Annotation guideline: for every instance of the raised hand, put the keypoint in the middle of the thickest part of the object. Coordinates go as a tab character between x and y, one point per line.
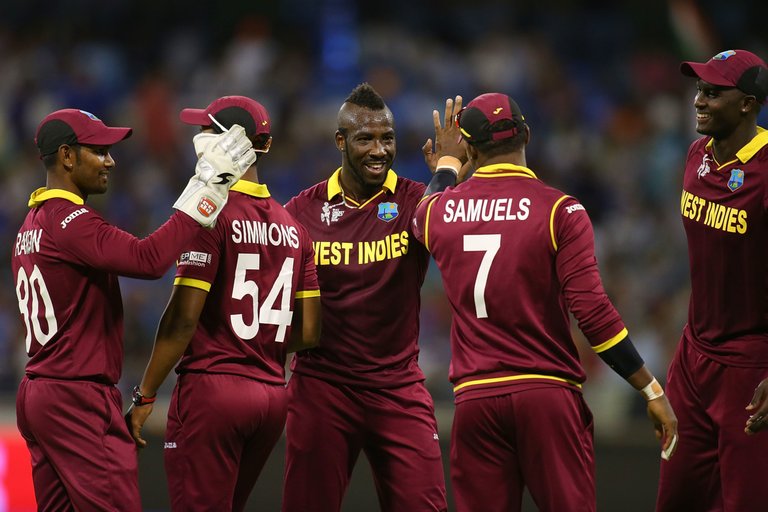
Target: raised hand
224	158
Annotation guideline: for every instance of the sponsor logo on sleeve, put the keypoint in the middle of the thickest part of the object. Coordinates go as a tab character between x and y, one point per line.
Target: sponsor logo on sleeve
195	258
72	216
574	208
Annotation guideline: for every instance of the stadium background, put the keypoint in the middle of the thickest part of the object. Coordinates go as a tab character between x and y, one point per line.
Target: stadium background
598	82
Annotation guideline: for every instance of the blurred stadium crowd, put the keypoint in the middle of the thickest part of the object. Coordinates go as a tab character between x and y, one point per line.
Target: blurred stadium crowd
611	120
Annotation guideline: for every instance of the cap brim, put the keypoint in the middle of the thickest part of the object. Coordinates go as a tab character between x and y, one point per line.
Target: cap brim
107	137
195	116
706	73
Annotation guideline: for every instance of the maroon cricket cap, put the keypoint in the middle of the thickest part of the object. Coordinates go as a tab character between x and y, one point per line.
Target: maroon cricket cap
481	120
229	110
73	126
732	68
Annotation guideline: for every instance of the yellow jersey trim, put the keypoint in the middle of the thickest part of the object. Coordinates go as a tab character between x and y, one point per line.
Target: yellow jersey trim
307	294
749	150
503	170
251	188
334	186
552	220
611	342
426	223
43	194
192	283
512	378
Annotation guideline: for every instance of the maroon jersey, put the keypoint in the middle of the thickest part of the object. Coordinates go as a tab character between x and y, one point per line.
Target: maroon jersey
370	274
515	256
725	215
253	264
65	264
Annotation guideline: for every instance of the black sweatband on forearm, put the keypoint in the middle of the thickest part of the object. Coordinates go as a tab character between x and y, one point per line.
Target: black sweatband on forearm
441	180
623	358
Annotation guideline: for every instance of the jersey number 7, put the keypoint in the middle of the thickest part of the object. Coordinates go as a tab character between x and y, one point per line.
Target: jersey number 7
488	244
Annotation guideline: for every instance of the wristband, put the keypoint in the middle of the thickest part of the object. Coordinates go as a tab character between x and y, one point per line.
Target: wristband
449	162
653	390
441	180
138	399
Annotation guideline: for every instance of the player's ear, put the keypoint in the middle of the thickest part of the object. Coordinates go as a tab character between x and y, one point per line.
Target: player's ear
340	140
67	156
748	103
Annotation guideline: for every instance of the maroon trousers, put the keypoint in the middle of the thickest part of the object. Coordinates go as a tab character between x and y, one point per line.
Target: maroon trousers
329	424
83	457
221	430
716	467
540	438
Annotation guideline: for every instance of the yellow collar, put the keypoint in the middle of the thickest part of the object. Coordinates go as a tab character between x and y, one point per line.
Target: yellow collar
43	194
499	170
251	188
334	185
751	147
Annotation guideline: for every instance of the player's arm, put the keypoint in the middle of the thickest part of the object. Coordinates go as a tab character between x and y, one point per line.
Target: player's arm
95	243
624	359
307	317
447	160
573	240
307	322
758	407
176	328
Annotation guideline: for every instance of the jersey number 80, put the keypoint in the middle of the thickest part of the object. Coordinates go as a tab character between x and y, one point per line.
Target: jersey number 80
31	291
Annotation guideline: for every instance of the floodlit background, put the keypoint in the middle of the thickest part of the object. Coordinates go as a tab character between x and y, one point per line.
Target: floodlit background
610	114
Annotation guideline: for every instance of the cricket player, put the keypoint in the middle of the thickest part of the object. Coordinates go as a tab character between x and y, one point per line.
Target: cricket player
362	388
66	263
516	256
717	378
245	294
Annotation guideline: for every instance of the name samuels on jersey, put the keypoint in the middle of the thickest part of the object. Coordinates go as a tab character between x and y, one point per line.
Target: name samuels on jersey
486	210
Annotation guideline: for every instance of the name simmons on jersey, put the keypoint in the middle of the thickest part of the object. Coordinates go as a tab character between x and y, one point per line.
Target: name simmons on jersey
264	233
486	210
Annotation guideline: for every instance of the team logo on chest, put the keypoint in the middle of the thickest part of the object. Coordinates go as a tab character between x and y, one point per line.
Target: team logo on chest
331	212
703	169
736	180
387	211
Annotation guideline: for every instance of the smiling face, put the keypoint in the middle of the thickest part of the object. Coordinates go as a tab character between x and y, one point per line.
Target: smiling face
719	110
366	139
90	169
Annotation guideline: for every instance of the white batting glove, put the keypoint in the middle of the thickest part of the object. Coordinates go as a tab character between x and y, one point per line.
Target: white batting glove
222	162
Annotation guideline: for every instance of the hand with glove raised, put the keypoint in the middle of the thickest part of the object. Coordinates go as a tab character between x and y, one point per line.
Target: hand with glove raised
222	160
